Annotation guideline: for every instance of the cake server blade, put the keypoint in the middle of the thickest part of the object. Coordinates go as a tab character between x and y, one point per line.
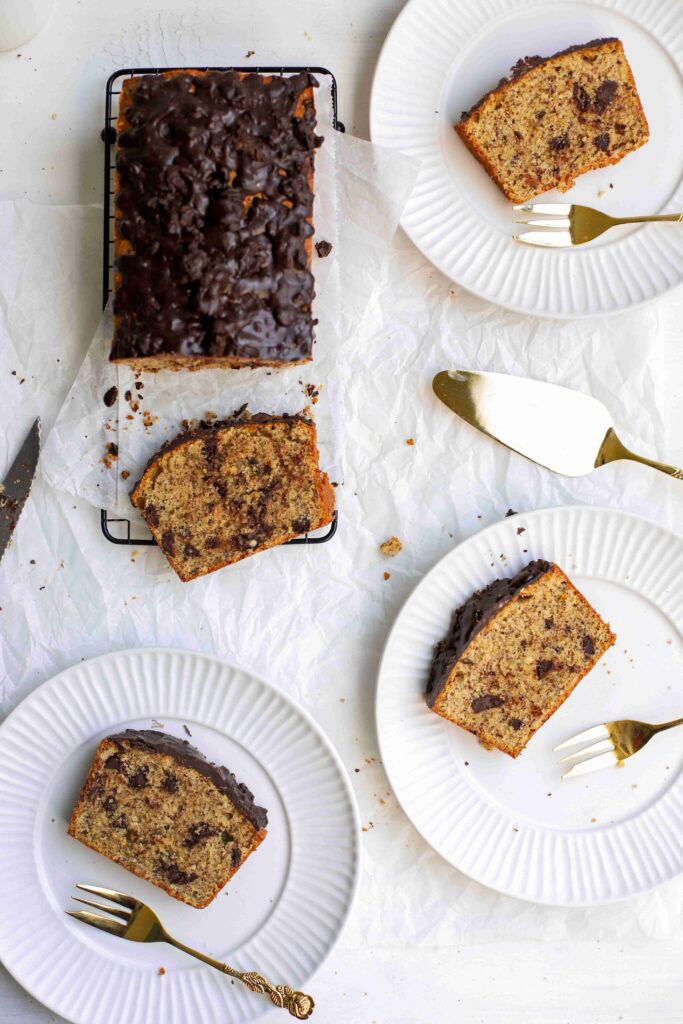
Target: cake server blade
17	484
563	430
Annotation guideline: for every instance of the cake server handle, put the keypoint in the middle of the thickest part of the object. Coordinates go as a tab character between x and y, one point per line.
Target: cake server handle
612	449
298	1004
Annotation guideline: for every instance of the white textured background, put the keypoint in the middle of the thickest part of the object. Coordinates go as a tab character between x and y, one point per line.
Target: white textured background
424	944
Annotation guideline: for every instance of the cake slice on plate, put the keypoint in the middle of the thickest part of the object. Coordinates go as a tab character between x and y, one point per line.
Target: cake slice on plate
555	118
514	653
155	805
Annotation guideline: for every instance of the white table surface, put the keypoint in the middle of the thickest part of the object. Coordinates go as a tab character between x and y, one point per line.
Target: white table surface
489	959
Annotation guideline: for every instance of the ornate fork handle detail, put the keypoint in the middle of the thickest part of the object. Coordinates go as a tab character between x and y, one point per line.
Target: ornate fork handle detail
298	1004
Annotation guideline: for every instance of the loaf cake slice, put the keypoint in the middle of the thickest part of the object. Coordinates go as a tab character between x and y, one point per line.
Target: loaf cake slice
213	220
224	491
155	805
555	118
514	653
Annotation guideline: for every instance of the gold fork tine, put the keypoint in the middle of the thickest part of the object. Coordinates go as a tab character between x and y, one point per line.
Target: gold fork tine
105	924
596	732
593	764
560	209
595	748
558	222
122	914
110	894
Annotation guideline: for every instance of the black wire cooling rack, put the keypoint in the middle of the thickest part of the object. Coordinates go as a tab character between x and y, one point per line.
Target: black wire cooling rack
122	525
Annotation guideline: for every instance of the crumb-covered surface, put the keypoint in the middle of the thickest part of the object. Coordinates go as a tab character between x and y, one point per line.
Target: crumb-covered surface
157	807
556	118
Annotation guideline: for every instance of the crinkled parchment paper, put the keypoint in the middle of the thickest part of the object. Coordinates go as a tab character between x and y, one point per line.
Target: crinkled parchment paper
314	620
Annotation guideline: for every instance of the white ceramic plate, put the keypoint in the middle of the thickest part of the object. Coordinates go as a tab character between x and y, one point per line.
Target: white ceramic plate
440	57
282	912
515	825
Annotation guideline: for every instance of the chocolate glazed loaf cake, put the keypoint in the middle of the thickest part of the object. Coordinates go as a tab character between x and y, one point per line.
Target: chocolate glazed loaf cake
514	653
213	220
555	118
224	491
155	805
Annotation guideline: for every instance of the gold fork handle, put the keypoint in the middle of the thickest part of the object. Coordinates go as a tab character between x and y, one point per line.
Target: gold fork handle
612	449
672	218
298	1004
668	725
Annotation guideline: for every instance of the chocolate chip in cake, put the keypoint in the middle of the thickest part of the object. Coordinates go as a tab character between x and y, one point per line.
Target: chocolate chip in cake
543	667
588	645
120	822
548	623
604	95
227	837
168	542
176	875
114	763
581	97
559	142
152	514
190	551
139	779
198	832
301	525
110	396
235	856
486	702
516	724
170	783
110	804
602	141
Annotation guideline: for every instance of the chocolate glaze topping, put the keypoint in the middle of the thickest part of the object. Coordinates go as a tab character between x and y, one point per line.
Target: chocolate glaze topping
185	754
525	64
470	619
215	201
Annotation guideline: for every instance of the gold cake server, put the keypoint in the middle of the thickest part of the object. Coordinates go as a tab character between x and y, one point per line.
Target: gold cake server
566	431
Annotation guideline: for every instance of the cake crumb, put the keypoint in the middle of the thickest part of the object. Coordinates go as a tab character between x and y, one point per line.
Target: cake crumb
125	473
410	441
391	547
387	575
249	53
323	249
161	972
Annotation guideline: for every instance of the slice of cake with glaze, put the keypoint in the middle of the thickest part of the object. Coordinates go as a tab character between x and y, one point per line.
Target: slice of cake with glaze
555	118
514	652
155	805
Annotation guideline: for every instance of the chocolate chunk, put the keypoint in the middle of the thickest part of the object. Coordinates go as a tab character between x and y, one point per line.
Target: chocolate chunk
152	514
301	525
120	822
170	783
139	779
176	875
581	97
602	141
540	114
486	702
604	95
127	395
227	837
542	668
110	396
323	249
548	623
588	645
114	763
518	135
110	804
516	723
190	551
235	856
198	832
168	542
559	142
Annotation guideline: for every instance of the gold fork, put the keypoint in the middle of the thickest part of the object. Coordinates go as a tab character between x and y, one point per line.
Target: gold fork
610	744
138	922
573	225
